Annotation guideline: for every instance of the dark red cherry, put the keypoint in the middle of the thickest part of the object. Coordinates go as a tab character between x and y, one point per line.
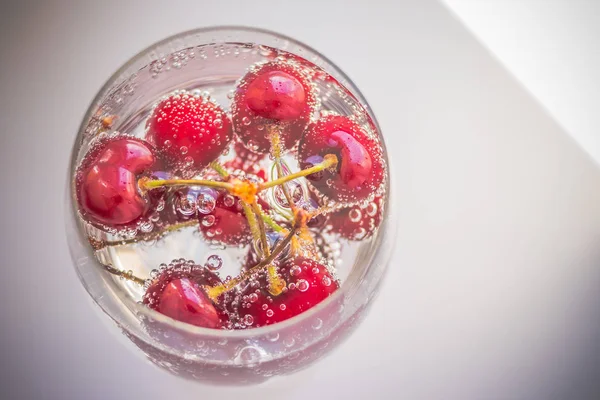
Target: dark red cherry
226	222
308	283
275	96
356	222
360	169
179	294
107	181
190	131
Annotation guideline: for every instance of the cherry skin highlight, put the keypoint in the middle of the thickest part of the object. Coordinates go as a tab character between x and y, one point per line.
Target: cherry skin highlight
360	169
308	283
189	131
273	97
107	188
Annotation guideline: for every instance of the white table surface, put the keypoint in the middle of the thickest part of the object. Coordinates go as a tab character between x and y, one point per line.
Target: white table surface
493	290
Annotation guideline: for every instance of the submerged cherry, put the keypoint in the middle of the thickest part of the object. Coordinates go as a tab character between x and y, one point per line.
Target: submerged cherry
272	97
276	95
226	222
356	222
179	294
107	181
191	131
308	283
360	169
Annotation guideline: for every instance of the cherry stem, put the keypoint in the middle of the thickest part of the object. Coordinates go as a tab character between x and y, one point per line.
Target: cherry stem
124	274
276	283
262	230
329	161
252	222
269	221
276	151
219	169
215	291
100	244
148	184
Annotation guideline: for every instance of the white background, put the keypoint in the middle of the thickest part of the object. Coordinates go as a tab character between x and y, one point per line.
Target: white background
493	289
551	47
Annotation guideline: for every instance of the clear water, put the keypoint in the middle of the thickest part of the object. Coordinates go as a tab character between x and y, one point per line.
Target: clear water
208	70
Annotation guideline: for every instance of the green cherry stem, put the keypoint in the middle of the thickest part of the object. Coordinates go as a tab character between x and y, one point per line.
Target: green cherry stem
219	169
329	161
148	184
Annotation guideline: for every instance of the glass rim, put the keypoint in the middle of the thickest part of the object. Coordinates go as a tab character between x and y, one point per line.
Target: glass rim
140	309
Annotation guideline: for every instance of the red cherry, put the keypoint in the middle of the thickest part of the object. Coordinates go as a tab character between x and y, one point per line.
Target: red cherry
179	295
357	223
308	283
226	222
274	95
190	131
360	169
184	301
107	188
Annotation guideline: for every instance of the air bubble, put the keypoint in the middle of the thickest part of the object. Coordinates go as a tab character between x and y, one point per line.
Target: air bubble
326	281
208	221
295	270
228	200
270	313
214	262
185	206
372	209
248	355
218	123
246	121
206	203
302	285
355	215
360	233
248	320
317	324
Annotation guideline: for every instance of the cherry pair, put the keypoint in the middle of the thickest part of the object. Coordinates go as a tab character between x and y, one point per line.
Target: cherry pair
181	296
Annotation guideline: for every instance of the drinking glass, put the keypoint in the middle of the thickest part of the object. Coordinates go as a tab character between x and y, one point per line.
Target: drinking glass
213	59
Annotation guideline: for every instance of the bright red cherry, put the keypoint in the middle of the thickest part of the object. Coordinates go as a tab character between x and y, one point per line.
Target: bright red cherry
355	222
360	169
179	295
276	95
183	300
190	131
107	181
308	283
272	96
